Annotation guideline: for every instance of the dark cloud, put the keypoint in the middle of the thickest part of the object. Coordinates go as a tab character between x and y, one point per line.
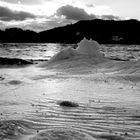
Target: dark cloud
74	13
110	17
7	14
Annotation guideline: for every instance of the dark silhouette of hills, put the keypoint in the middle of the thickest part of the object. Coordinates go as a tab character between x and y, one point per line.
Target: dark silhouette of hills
17	35
103	31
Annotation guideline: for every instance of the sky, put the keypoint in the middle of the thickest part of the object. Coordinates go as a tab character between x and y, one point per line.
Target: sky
39	15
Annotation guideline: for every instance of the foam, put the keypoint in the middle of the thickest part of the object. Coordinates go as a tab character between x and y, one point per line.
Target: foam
87	52
89	47
64	54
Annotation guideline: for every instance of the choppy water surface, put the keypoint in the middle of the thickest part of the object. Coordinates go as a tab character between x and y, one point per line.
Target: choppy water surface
45	51
108	96
30	50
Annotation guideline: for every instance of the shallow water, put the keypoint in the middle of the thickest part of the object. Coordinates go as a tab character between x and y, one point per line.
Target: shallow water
107	94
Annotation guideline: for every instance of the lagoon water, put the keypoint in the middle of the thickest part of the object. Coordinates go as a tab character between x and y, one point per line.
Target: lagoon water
107	92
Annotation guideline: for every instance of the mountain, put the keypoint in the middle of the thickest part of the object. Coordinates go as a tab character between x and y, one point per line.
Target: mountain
103	31
17	35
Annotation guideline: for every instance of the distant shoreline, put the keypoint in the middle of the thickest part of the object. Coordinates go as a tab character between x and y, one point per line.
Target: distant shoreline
103	31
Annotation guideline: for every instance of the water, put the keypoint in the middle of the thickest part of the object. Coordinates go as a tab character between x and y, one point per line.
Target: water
30	50
45	51
107	94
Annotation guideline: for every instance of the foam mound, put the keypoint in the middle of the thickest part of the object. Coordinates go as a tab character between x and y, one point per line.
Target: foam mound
89	47
86	53
64	54
85	47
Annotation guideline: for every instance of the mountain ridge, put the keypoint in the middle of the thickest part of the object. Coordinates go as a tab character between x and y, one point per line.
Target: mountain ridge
103	31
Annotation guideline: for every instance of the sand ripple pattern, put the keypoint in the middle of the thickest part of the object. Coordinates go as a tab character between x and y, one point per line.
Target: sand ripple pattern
90	121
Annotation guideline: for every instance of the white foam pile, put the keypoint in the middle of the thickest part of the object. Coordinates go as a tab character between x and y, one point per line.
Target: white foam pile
64	54
85	47
87	53
89	47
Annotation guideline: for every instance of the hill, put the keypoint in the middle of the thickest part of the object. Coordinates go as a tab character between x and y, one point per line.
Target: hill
103	31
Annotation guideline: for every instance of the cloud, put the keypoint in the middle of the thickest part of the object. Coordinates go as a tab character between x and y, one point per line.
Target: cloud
44	25
6	14
37	18
74	13
110	17
25	1
2	25
90	5
38	24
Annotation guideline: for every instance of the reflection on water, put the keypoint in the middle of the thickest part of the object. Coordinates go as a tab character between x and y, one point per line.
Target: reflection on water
33	51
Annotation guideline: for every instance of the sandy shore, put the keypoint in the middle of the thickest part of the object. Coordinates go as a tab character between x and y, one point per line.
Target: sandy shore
106	91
